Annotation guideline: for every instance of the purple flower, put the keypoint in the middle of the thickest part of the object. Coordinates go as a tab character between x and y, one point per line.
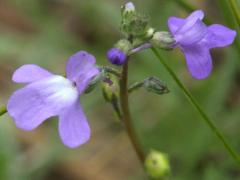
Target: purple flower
116	56
46	95
195	39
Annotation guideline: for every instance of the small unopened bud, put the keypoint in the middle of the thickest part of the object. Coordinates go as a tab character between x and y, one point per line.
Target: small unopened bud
116	56
157	165
124	45
163	40
133	23
129	7
153	84
150	32
110	88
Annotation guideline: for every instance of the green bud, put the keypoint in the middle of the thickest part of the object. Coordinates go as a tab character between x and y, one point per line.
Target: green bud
163	40
150	32
133	23
157	165
110	88
144	38
153	84
124	45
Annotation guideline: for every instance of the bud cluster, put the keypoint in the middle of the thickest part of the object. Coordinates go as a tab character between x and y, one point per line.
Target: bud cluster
135	26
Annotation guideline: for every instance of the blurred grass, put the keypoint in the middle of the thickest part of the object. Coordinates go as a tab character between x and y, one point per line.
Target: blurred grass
47	32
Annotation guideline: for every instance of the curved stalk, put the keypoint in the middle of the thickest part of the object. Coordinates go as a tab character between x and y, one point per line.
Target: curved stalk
126	116
204	116
3	110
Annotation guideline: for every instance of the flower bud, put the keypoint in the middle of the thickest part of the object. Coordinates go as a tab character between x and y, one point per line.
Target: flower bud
110	88
124	45
157	165
153	84
163	40
150	32
116	56
133	23
128	8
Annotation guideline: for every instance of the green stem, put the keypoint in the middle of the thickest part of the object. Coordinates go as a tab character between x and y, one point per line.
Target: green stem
126	116
135	86
205	117
3	110
235	10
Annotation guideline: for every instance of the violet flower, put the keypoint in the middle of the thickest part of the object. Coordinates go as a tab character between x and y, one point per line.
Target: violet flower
46	95
195	39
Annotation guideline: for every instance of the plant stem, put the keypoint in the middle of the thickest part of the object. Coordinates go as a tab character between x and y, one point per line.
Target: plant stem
3	110
235	9
135	86
205	117
126	113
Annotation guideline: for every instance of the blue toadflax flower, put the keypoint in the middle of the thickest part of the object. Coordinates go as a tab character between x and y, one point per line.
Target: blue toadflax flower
195	39
47	95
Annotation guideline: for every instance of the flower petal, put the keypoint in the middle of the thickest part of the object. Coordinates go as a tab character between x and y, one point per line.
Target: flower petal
174	23
73	126
81	69
198	14
193	34
219	36
36	102
29	73
78	64
199	61
191	20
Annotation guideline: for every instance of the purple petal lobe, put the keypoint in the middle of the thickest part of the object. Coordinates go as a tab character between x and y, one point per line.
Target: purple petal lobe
73	127
198	14
174	23
36	102
192	34
79	63
81	69
199	61
219	36
191	20
30	73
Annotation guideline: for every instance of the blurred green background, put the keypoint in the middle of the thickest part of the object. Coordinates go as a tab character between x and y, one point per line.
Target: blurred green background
47	32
